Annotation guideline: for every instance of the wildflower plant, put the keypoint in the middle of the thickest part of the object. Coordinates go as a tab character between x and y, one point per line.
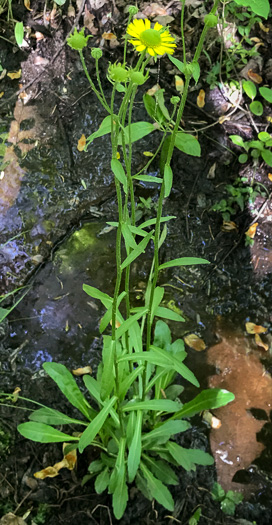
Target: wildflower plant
132	411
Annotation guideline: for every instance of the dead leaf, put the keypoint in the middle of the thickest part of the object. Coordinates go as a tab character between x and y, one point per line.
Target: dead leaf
49	472
211	172
71	13
82	371
259	342
228	226
255	77
179	83
252	329
81	143
3	74
109	36
270	176
89	21
39	36
2	94
193	341
252	230
11	519
27	5
213	421
15	394
154	9
69	461
201	99
97	4
269	118
15	75
153	90
263	28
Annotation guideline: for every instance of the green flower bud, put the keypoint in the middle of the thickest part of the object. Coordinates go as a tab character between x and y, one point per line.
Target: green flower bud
133	10
138	78
96	53
117	73
78	41
211	20
174	100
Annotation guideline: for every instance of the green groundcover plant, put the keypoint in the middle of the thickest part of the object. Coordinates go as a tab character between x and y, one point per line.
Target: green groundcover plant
131	411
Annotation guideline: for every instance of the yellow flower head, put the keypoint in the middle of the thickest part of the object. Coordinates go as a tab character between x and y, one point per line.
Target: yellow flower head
156	41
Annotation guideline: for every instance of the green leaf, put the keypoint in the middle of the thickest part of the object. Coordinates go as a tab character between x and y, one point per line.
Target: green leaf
159	95
119	172
236	497
104	129
60	2
53	417
199	457
19	33
157	298
243	158
264	136
138	131
175	363
180	455
195	71
159	492
97	294
68	386
174	391
250	88
266	93
206	400
118	484
102	481
95	426
129	322
183	261
108	375
159	405
43	433
137	251
236	139
147	178
177	63
217	492
188	144
161	470
129	380
165	313
164	432
195	517
153	109
256	108
228	507
3	313
94	387
135	448
129	239
260	7
267	157
162	335
168	180
150	222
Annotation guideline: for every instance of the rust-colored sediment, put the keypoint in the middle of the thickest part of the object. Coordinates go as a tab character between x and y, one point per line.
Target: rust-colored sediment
240	371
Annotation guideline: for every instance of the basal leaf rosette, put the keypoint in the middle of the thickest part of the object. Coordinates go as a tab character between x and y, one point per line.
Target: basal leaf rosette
156	40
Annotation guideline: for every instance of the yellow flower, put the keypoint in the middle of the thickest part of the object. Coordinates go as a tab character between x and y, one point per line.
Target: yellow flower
156	41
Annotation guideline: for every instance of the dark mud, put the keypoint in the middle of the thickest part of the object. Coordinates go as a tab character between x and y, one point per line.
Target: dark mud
59	204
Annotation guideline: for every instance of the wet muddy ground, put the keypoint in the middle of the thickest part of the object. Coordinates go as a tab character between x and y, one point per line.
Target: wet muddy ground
55	202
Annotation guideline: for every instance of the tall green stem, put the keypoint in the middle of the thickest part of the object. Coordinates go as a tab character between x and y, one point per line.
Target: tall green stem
104	104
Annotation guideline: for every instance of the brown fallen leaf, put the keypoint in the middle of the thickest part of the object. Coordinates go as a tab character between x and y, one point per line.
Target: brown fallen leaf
213	421
2	94
263	28
71	13
89	21
15	394
179	83
201	99
27	5
48	472
69	461
153	90
81	143
195	342
229	226
109	36
11	519
259	342
15	74
270	176
252	329
252	230
82	371
255	77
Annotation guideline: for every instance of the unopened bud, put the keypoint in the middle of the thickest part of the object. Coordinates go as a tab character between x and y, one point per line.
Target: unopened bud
174	100
133	10
96	53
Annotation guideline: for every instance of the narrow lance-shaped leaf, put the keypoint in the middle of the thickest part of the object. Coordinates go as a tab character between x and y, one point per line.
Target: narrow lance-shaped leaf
107	380
135	448
183	261
96	425
160	405
119	172
168	180
68	386
43	433
128	323
137	251
165	431
159	491
53	417
207	399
